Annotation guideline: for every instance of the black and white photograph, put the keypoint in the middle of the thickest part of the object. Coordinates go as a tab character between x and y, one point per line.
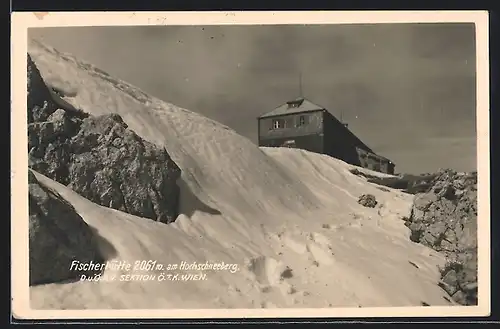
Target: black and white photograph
330	167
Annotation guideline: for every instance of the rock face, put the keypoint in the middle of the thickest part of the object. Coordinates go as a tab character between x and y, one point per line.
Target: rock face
367	200
445	219
40	104
57	236
99	157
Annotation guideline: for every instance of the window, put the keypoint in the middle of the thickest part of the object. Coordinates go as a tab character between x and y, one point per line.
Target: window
302	120
279	123
295	104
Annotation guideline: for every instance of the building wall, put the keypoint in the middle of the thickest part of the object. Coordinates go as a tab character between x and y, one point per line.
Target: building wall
340	142
313	125
374	162
312	143
387	168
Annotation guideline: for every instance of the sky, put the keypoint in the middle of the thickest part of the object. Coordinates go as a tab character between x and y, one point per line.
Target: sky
407	90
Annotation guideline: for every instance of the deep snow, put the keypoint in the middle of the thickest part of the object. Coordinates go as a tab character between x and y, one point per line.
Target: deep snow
263	209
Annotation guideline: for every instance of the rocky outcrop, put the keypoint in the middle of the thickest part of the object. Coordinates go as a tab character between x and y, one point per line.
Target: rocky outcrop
445	218
40	104
57	236
367	200
99	157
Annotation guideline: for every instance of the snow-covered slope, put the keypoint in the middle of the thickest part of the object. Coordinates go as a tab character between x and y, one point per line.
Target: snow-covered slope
288	218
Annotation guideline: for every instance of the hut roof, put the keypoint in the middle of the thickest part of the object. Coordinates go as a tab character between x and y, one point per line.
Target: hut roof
298	105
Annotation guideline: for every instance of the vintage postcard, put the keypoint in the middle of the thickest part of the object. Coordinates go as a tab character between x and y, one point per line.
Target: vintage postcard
250	164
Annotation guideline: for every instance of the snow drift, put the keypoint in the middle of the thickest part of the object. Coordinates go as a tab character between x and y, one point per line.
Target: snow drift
286	222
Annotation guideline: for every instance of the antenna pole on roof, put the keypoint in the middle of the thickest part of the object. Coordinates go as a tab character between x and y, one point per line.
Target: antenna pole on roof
300	84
